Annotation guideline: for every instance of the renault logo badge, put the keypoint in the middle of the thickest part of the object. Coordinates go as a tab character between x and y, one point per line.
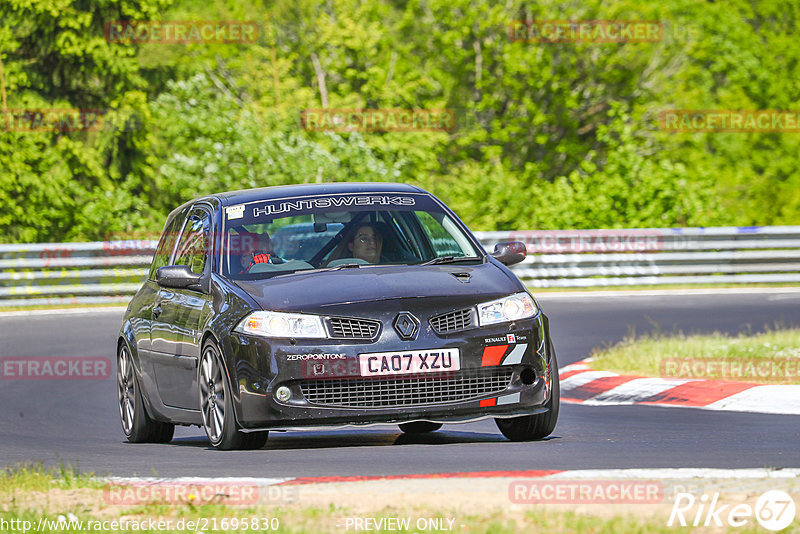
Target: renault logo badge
406	325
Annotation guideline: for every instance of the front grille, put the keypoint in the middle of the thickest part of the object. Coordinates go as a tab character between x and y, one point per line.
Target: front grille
452	321
407	391
344	328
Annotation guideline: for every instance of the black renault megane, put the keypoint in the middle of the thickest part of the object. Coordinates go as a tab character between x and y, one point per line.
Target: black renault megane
331	305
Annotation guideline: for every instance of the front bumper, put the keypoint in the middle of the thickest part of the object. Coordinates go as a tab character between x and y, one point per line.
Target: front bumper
503	374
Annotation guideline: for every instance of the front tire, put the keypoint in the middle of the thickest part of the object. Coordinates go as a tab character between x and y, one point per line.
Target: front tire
540	425
420	427
136	424
216	405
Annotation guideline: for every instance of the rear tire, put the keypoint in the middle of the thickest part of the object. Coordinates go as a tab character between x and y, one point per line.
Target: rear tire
420	427
540	425
136	424
216	405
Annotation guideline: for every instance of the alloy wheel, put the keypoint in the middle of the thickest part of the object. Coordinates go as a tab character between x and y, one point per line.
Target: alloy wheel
212	395
125	390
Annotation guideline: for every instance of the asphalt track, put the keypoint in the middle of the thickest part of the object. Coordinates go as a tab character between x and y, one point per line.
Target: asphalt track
77	421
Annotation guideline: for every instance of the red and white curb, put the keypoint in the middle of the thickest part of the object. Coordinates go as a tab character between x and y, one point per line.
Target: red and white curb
577	474
583	385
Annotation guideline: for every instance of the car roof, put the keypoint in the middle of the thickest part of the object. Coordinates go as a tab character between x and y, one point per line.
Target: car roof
284	191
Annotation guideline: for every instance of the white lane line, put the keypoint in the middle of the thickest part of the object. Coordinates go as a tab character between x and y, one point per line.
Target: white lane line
788	291
582	474
634	391
664	292
775	399
64	311
678	473
197	480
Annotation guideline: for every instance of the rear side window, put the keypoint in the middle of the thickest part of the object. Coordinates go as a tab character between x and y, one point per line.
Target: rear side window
194	241
165	245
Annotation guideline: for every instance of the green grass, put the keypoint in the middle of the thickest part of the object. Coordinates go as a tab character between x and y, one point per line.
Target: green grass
311	521
35	476
747	358
323	520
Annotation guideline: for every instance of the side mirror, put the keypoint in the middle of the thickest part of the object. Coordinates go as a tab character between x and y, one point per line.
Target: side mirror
180	277
510	252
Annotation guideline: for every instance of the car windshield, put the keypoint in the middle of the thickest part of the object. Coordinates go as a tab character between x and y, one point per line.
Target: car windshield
272	237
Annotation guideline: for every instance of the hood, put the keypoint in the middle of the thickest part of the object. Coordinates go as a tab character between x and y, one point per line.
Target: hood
321	291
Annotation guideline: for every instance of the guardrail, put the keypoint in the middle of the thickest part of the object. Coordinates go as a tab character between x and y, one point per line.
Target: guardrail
73	273
111	271
591	258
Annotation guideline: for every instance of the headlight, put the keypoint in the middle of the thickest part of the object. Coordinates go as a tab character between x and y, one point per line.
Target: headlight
511	308
276	324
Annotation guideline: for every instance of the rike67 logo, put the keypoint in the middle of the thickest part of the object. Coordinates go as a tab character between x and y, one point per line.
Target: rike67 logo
774	510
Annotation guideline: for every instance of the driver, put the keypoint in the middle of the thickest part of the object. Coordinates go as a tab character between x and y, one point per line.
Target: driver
256	248
366	243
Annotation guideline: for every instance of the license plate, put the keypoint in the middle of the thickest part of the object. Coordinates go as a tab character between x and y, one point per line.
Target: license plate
409	362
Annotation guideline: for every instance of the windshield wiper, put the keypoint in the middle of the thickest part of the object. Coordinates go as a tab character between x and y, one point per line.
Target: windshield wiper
342	266
450	259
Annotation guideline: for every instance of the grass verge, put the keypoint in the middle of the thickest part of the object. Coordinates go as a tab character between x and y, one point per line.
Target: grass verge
770	357
316	520
36	499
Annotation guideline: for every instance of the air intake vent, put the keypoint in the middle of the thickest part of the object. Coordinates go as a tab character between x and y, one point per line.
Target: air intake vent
452	321
407	391
345	328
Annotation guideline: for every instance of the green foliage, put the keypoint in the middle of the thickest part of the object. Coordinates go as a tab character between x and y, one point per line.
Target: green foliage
226	145
547	135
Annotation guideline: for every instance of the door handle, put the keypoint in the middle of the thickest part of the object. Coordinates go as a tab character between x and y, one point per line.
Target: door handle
156	311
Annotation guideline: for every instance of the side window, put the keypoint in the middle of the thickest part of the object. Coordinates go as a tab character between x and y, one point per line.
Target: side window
194	241
165	245
441	240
